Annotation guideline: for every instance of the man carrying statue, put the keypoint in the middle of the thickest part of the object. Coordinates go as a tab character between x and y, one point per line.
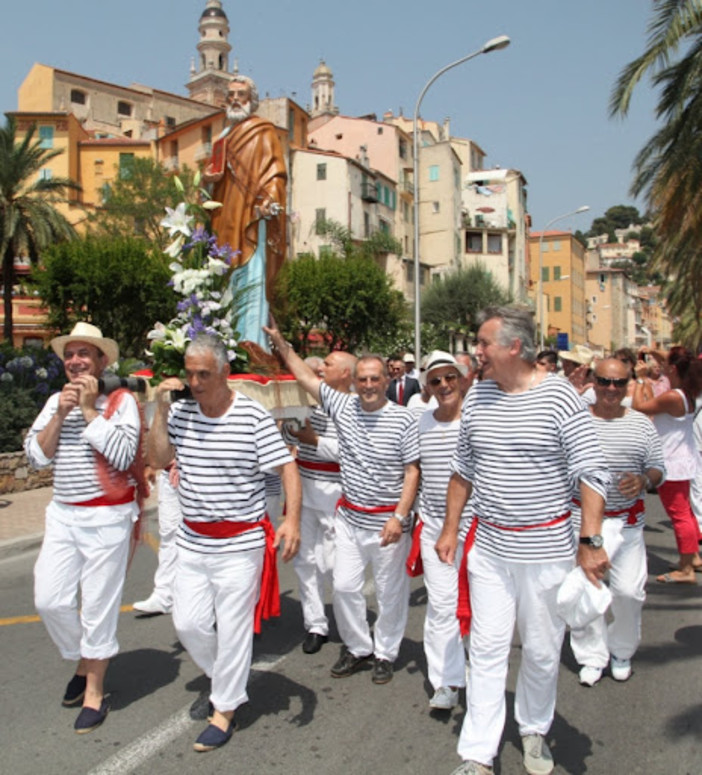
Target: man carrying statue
247	170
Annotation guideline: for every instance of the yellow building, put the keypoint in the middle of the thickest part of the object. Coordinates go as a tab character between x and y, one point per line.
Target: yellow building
562	265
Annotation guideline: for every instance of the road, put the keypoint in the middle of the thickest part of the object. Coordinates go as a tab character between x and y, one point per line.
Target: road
300	720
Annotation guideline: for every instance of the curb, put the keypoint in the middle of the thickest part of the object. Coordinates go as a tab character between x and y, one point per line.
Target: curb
17	546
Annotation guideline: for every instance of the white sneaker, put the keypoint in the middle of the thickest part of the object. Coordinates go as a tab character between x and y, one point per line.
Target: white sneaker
621	669
445	698
537	757
152	605
471	767
589	676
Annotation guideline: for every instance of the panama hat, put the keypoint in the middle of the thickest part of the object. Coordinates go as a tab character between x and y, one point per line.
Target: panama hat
437	360
579	354
86	332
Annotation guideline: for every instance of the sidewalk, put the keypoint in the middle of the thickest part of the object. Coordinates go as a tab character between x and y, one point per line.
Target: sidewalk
22	519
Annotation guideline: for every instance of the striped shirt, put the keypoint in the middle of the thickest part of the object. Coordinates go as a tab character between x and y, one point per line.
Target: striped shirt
222	463
630	444
326	433
374	448
75	470
525	454
437	445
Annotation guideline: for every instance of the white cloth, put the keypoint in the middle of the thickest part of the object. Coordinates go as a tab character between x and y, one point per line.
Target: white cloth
579	601
592	645
95	558
682	461
696	483
169	517
501	593
221	589
355	549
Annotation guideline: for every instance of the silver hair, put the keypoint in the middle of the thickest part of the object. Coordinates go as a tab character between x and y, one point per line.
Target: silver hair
517	323
253	91
371	357
472	360
208	343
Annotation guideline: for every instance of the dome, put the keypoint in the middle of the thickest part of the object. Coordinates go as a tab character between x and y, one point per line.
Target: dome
213	10
322	70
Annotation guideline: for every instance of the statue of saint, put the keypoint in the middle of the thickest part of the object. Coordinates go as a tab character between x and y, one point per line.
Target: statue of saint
247	169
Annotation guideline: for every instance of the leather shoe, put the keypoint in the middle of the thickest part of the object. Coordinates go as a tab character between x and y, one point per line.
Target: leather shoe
314	642
213	737
382	671
89	718
75	691
348	664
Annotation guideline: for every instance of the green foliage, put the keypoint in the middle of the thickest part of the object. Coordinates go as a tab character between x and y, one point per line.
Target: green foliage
29	220
136	202
17	413
348	301
118	284
344	244
452	302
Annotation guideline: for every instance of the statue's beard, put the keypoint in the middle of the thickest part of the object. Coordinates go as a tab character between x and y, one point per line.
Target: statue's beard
235	115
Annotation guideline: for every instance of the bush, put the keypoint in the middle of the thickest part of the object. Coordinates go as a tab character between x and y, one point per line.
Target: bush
17	413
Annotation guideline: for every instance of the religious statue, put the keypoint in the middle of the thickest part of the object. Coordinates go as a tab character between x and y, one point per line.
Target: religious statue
247	170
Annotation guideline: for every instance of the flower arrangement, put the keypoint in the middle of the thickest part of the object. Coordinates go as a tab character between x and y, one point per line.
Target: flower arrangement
201	277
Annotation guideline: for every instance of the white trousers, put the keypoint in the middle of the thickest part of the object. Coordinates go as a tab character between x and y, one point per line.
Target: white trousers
169	517
221	590
593	644
443	645
93	559
696	497
313	566
502	592
355	549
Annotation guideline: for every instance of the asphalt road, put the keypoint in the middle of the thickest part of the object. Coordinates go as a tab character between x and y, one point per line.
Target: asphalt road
300	720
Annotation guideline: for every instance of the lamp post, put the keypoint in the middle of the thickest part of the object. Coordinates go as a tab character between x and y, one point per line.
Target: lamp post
492	45
582	209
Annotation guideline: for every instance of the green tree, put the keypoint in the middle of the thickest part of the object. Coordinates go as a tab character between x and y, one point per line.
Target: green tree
136	201
667	169
347	301
452	302
29	220
120	285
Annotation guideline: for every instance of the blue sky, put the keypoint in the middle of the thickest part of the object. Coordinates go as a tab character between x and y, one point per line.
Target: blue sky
539	105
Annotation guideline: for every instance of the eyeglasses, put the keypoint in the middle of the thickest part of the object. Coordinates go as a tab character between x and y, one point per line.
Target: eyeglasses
606	382
448	378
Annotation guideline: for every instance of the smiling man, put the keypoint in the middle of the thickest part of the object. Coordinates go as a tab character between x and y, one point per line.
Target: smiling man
378	451
92	441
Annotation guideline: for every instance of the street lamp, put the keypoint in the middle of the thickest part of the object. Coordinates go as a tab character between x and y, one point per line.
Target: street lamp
582	209
492	45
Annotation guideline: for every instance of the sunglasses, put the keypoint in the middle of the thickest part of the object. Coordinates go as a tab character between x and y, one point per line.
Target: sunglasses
606	382
449	378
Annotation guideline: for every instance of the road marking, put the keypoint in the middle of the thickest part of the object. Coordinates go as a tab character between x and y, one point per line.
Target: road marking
154	741
34	618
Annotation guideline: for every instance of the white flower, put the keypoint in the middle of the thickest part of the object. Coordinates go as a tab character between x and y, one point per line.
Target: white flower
178	338
177	221
6	377
173	250
158	332
41	373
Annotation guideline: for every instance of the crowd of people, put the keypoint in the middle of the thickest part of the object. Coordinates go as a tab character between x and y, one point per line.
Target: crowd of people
500	480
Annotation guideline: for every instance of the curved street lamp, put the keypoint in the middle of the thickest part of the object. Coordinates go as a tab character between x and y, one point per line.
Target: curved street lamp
582	209
494	44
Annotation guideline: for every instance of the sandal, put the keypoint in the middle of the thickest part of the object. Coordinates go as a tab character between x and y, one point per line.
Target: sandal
667	578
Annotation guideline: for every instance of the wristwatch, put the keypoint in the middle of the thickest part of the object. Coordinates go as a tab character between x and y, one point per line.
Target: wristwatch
403	520
596	541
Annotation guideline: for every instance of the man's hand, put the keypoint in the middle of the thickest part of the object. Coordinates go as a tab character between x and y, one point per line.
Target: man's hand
306	434
277	340
164	389
289	534
446	546
68	399
594	563
391	532
630	485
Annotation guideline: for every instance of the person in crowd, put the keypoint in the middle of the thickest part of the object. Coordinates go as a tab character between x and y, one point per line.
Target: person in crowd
635	458
547	360
673	415
525	438
224	443
318	461
94	444
410	366
438	434
471	363
402	387
378	451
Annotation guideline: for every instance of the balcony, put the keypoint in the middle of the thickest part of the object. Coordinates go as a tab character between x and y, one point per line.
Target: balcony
369	191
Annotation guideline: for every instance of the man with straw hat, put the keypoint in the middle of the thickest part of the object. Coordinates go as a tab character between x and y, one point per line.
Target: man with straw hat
93	442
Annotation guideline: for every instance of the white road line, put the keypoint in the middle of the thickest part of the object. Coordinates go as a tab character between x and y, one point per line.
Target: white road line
149	744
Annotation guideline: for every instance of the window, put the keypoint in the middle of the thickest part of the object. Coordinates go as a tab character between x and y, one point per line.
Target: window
320	216
321	172
124	109
206	135
405	210
366	225
403	149
594	299
557	304
384	226
78	97
544	274
386	196
433	173
380	130
494	243
435	207
45	174
556	244
105	193
474	242
556	273
170	122
46	137
126	165
409	271
544	247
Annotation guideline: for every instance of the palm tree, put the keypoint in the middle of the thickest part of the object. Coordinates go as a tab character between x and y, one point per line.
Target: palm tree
29	220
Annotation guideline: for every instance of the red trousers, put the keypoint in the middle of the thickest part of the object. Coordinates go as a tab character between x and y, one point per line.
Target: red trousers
675	497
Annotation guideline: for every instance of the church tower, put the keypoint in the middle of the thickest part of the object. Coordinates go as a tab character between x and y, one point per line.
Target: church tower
323	92
210	78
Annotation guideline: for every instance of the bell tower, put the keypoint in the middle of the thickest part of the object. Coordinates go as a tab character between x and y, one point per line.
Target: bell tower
210	78
323	92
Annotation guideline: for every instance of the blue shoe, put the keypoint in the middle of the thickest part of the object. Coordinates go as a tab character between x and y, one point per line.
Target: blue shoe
75	691
89	718
213	737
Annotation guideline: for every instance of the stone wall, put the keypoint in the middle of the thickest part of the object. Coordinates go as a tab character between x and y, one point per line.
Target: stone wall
16	475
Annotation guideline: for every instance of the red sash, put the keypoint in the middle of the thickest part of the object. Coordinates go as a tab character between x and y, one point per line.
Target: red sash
463	609
414	564
632	512
106	500
314	465
365	509
268	604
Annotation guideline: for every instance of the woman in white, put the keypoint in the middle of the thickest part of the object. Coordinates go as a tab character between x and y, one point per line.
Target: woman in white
438	435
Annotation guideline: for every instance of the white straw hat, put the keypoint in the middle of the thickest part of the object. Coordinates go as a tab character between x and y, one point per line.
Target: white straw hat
86	332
